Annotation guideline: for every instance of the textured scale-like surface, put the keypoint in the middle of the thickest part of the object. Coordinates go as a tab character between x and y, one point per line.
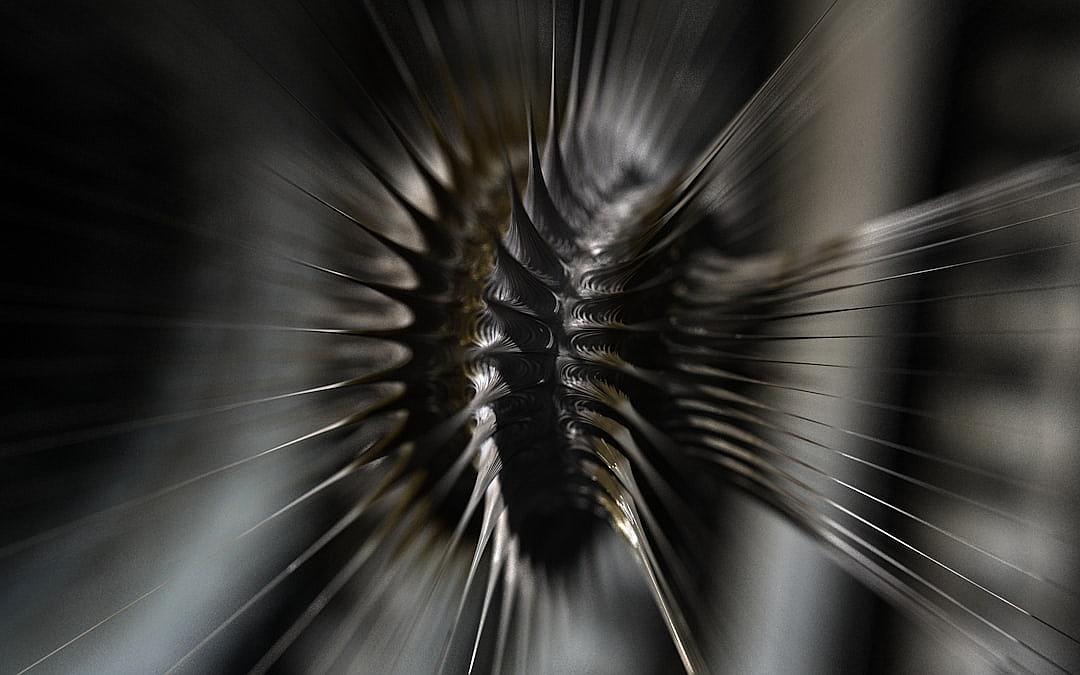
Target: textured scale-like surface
468	336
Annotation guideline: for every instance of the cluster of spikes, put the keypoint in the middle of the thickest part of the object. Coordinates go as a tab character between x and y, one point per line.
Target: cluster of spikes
590	356
583	357
554	360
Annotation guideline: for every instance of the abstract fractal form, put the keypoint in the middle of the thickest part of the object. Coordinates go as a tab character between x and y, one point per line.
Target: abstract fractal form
566	336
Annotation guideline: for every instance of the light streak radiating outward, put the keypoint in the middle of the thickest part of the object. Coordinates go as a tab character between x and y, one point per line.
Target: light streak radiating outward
549	337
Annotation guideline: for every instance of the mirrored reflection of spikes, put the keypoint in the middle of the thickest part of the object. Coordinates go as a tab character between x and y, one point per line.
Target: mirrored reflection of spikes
456	338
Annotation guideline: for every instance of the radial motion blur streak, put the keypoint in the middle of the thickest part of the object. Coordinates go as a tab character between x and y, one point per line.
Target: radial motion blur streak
569	336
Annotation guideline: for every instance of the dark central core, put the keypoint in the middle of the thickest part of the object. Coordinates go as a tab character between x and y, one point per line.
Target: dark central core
555	314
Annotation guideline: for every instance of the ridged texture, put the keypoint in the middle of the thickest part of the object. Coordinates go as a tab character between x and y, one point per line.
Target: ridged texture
483	334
